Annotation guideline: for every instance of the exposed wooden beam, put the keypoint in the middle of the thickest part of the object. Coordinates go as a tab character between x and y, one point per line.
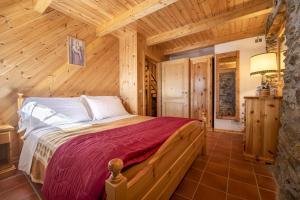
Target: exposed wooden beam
253	9
42	5
141	10
276	17
217	40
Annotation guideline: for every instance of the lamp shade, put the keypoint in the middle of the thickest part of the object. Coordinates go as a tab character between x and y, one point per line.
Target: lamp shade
263	63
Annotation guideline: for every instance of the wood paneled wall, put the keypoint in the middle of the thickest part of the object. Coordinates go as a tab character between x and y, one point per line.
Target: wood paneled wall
33	58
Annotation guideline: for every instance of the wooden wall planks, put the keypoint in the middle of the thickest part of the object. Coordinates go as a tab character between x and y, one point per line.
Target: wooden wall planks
33	58
132	62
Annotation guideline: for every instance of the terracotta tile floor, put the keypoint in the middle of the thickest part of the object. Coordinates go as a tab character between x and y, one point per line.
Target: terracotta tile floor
17	187
221	174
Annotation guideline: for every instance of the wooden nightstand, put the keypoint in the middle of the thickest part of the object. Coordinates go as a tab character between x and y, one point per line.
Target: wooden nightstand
6	168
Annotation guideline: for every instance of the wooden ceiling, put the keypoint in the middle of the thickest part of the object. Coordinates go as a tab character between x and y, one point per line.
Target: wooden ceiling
174	25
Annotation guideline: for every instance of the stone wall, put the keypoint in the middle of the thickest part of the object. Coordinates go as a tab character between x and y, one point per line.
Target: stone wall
287	167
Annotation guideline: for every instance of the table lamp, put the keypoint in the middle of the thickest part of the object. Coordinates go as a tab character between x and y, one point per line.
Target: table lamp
263	64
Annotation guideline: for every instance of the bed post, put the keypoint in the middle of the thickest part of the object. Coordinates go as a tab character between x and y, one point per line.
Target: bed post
204	120
20	100
116	184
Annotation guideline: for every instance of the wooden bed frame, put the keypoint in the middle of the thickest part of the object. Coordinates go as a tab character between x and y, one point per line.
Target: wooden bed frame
162	174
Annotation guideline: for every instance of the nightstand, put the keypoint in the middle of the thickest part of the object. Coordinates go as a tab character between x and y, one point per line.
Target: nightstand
6	168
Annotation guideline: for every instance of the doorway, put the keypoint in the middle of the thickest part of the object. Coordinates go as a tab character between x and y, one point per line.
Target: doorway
150	87
186	88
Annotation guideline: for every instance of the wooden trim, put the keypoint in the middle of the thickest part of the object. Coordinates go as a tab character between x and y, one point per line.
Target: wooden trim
42	5
263	97
141	10
159	88
196	59
160	177
237	84
250	10
4	128
227	131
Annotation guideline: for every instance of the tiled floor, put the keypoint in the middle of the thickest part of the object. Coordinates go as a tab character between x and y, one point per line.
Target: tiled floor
224	174
221	174
17	188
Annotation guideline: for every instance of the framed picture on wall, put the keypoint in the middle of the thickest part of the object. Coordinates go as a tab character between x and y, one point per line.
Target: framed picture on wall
76	52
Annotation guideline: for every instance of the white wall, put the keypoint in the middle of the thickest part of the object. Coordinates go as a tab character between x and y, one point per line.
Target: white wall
247	48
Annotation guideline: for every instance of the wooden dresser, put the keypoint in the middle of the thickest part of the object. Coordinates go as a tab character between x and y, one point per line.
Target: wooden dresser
6	167
262	121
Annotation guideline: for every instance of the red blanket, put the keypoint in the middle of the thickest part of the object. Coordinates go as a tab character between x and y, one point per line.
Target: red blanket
77	169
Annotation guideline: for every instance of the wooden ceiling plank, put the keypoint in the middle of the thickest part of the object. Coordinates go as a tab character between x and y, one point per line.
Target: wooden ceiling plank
253	9
42	5
137	12
210	42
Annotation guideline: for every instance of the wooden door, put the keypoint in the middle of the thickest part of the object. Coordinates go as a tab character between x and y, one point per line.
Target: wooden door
201	88
175	88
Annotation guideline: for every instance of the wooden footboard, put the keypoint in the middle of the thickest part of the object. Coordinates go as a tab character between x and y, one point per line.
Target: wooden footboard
163	173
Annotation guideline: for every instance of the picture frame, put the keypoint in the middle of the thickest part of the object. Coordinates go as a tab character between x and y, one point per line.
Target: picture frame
76	52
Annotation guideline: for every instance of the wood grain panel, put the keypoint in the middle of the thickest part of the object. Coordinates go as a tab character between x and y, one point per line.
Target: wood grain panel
201	88
33	58
132	62
209	20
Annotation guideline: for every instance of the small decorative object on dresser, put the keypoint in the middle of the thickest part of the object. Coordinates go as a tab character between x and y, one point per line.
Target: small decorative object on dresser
6	168
262	125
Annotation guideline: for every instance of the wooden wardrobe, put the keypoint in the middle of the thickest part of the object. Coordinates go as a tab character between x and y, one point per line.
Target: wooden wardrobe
185	88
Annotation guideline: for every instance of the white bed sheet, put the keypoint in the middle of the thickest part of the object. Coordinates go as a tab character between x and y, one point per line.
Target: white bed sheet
31	141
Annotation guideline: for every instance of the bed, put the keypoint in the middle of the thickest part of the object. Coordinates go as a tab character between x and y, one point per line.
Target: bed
155	177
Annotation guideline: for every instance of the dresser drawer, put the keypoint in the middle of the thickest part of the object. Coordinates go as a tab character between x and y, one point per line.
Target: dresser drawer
4	138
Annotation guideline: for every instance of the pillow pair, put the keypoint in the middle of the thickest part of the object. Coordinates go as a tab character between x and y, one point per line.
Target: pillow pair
101	107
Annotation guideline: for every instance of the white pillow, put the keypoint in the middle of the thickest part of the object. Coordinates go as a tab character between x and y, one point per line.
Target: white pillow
70	107
103	107
34	116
